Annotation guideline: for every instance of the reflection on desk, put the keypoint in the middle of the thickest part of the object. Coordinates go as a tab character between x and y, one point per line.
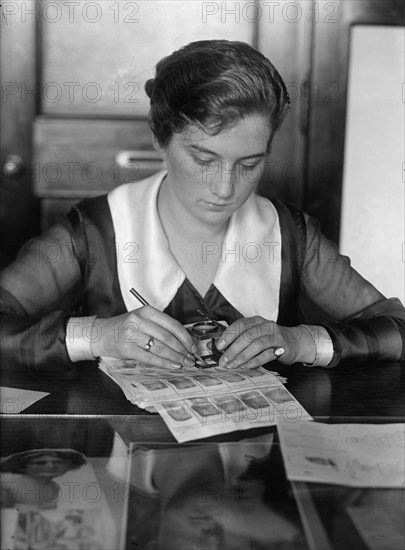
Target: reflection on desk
138	488
230	495
343	518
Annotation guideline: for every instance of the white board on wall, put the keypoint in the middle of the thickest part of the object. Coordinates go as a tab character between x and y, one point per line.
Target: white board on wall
372	223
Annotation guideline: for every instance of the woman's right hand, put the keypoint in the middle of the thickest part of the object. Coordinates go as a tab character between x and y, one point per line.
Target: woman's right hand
125	337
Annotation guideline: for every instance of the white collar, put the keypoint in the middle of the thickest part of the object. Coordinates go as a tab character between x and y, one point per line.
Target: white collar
249	272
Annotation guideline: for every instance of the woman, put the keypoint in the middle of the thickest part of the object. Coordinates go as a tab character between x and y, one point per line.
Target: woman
197	243
33	473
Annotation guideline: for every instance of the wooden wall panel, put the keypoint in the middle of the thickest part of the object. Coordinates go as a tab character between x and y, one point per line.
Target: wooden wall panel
284	36
97	57
18	80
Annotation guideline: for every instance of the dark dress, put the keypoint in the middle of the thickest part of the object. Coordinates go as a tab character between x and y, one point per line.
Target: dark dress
71	270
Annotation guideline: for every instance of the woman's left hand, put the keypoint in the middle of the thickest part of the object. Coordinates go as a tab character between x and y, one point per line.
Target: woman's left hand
252	342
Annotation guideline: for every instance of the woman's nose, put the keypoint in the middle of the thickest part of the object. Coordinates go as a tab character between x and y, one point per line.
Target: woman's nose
50	464
223	184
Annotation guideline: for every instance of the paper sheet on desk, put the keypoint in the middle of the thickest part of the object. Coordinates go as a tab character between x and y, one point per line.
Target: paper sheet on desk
197	403
15	400
357	455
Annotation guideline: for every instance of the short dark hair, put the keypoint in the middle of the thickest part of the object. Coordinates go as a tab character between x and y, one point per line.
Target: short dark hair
212	84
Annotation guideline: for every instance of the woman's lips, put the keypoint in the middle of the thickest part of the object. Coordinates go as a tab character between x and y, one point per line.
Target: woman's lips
217	206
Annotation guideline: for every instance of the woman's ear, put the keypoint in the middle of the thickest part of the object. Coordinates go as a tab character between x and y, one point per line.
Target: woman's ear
156	144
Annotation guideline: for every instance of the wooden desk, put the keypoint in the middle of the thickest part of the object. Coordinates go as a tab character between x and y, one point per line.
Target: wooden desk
372	389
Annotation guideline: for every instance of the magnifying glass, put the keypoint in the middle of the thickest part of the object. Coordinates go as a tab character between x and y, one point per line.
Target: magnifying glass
205	328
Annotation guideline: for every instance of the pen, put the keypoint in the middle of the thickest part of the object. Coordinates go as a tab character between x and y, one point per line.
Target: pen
139	297
144	302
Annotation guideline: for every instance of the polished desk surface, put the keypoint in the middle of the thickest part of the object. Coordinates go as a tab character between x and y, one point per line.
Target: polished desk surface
201	501
227	495
197	505
371	389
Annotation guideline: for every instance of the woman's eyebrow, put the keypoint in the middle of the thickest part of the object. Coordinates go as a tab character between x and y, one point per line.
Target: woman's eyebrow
208	152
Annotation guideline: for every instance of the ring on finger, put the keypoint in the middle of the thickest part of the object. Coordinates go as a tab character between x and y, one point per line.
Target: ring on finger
149	344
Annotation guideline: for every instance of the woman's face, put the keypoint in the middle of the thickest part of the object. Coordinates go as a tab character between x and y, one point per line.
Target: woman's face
46	466
210	177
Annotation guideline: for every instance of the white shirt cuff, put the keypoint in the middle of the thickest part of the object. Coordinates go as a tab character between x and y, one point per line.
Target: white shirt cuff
79	334
323	344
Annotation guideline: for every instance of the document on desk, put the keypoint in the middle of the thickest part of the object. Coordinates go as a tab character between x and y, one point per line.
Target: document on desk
201	403
15	400
357	455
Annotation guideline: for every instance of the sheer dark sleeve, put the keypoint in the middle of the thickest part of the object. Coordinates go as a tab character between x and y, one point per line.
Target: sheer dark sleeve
363	324
40	291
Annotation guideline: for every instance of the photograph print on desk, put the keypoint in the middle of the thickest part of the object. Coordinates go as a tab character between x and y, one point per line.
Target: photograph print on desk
63	485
